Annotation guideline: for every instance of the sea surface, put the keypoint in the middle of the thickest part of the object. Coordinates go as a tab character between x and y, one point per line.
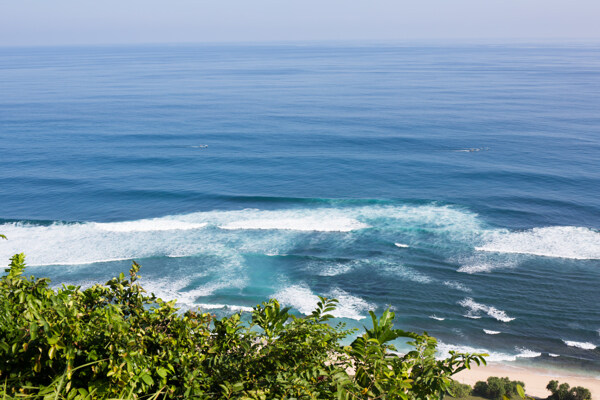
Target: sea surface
457	184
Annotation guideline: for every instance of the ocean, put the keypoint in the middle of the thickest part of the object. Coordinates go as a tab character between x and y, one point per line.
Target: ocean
457	184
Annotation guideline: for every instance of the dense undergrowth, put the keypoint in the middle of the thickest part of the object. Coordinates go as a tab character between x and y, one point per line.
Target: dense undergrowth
116	341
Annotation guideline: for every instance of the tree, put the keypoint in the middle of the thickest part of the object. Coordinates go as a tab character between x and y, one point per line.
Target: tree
565	392
496	388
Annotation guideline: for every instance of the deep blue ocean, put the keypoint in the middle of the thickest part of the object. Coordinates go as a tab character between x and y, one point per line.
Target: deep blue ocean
457	184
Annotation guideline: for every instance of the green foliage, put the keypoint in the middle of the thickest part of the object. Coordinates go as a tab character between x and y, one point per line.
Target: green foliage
496	388
565	392
115	341
459	390
130	342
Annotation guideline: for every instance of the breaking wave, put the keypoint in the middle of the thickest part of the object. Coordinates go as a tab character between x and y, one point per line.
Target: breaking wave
557	241
472	269
475	307
444	352
580	345
301	298
147	225
227	307
457	286
337	268
298	224
193	234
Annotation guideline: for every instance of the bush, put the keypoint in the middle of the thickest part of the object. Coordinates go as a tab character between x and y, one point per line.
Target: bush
495	388
115	341
459	390
565	392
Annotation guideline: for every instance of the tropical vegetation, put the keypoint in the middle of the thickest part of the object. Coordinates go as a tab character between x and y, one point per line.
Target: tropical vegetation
564	392
117	341
497	388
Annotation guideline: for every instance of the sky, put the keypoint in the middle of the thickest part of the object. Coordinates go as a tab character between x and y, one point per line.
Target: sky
78	22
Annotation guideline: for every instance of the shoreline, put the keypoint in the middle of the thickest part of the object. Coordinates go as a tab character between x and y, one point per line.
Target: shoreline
535	378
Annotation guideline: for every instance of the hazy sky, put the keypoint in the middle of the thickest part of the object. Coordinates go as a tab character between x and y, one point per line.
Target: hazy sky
41	22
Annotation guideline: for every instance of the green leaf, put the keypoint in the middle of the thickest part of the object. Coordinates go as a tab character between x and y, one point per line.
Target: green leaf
52	340
520	391
33	330
147	379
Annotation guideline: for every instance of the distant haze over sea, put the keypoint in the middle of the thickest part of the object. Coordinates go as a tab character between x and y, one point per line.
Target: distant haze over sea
459	185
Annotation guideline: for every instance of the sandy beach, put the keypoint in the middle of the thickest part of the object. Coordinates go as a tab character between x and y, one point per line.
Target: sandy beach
535	379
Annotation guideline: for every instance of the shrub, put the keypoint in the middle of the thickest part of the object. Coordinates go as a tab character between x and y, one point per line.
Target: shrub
459	390
115	341
565	392
495	388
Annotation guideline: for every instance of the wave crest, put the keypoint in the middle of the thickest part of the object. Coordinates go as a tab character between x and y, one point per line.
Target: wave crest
305	301
557	241
580	345
475	307
298	224
147	225
490	332
444	352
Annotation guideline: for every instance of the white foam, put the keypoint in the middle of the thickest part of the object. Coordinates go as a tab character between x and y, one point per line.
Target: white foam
194	234
305	301
436	317
526	353
298	224
436	219
444	352
457	286
350	306
91	242
475	307
556	241
229	307
168	289
469	315
401	271
553	355
337	269
472	269
86	243
401	245
414	276
490	332
581	345
484	262
147	225
471	150
80	261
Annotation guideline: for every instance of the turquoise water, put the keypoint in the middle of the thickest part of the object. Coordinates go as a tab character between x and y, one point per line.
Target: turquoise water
459	185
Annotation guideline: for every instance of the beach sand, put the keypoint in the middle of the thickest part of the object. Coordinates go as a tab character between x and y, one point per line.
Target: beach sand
535	379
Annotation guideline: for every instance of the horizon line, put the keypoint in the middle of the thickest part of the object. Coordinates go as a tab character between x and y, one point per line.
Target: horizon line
412	41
